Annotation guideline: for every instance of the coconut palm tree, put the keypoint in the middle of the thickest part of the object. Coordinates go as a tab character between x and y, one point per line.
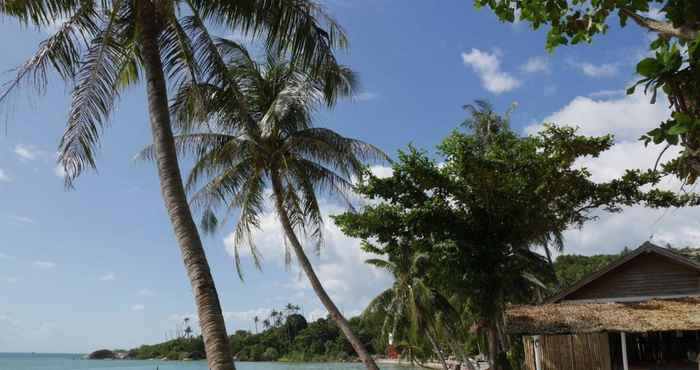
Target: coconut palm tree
256	320
411	308
269	142
102	47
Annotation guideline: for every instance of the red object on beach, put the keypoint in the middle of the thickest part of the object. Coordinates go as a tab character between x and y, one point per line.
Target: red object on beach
392	353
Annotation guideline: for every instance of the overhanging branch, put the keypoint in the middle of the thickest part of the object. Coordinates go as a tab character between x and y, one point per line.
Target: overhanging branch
664	28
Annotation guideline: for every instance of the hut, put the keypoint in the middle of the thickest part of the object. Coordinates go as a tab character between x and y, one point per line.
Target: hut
641	312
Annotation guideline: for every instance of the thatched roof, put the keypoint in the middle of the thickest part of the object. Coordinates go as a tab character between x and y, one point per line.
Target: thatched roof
563	318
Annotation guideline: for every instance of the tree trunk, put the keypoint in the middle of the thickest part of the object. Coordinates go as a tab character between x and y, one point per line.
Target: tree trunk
436	348
492	335
315	283
211	320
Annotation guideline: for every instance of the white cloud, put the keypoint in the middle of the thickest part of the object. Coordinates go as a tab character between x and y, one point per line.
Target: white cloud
366	96
348	280
246	316
23	219
138	307
59	171
145	292
596	71
4	256
108	277
628	117
11	279
44	264
27	152
536	65
381	171
4	177
488	67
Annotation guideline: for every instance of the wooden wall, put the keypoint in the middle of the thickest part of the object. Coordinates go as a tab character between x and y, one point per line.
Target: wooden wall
646	275
570	352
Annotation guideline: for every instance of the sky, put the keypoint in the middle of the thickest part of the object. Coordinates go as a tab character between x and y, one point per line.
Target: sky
98	267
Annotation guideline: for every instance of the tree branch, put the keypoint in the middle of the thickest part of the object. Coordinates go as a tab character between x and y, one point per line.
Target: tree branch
664	28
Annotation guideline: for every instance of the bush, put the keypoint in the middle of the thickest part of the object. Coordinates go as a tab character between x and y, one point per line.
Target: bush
270	354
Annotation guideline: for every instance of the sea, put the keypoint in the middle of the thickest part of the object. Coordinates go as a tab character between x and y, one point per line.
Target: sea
45	361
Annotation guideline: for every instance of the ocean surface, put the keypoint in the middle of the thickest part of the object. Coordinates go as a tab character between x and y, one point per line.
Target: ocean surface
41	361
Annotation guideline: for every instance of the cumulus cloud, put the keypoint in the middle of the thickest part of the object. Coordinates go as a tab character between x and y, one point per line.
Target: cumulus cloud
108	277
59	171
145	292
138	307
627	117
27	152
45	265
4	177
340	266
488	67
596	70
535	65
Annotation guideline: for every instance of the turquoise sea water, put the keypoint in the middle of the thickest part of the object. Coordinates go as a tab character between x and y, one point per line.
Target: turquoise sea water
12	361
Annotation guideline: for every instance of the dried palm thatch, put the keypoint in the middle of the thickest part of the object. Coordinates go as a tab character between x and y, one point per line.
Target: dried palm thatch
652	315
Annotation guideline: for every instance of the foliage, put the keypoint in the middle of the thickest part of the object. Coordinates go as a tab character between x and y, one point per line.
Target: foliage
481	209
318	341
96	49
571	268
176	349
413	311
241	141
674	67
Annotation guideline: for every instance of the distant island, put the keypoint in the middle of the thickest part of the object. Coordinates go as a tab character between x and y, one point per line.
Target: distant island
285	335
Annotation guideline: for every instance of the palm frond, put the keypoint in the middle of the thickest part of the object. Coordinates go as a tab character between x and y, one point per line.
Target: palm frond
42	13
328	147
61	51
178	55
93	99
300	27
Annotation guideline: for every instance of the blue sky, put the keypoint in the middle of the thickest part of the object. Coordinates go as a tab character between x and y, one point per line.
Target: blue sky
98	267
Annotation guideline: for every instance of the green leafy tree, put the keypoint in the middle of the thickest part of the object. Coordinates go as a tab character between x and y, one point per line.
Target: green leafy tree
480	213
674	67
265	138
103	47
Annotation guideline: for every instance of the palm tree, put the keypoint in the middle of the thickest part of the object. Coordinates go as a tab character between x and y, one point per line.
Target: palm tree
256	320
411	303
270	142
266	324
102	47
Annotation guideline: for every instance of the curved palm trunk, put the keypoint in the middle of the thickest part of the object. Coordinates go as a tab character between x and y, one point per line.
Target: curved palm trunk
211	319
437	350
315	283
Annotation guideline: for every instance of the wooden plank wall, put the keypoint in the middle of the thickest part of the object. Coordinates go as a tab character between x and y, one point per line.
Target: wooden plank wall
646	275
570	352
529	346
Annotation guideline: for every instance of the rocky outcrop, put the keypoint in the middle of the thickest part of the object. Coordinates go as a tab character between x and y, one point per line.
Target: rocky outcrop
102	354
